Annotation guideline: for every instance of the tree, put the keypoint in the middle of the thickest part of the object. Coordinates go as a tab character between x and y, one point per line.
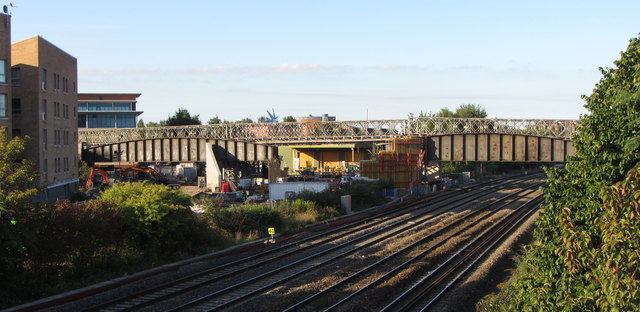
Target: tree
18	185
152	124
181	118
18	179
262	119
158	214
214	121
464	111
289	119
245	120
445	112
470	111
140	123
577	263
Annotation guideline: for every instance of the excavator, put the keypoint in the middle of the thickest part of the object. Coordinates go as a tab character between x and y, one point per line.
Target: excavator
92	174
129	173
137	173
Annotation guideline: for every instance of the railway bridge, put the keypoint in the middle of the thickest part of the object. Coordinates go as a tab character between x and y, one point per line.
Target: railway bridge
446	139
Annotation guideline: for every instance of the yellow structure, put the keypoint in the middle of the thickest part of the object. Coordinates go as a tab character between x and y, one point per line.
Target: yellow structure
326	159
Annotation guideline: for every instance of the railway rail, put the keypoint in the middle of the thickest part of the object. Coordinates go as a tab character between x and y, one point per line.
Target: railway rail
357	251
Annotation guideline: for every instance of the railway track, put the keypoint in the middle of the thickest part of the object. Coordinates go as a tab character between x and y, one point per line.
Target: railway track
356	251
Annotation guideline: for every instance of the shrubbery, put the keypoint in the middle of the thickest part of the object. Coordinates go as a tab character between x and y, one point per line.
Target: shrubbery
587	251
133	226
252	220
363	195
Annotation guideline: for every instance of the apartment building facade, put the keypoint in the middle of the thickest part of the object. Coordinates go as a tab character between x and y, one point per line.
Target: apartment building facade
44	97
5	73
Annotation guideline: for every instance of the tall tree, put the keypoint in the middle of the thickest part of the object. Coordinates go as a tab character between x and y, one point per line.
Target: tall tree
445	112
245	120
18	185
214	121
181	118
18	179
464	111
289	119
578	264
470	111
140	123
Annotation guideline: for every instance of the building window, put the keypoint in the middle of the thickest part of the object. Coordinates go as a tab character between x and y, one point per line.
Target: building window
82	121
3	105
65	85
45	169
101	121
16	106
3	71
44	139
15	76
56	81
44	109
125	121
44	79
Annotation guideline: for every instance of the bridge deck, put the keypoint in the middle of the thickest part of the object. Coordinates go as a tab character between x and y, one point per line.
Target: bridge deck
337	131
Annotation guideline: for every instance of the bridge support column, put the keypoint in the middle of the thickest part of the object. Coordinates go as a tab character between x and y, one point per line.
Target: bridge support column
432	171
213	173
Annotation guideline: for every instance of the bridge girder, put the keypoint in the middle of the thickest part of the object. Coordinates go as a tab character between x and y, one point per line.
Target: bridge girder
337	131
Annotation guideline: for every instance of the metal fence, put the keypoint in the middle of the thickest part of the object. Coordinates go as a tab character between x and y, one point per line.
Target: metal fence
338	131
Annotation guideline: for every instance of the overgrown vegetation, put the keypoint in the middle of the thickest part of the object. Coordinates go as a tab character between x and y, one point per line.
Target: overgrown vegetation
61	246
250	221
587	251
363	195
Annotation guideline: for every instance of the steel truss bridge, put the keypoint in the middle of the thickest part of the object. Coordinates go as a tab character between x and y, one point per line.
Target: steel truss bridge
284	133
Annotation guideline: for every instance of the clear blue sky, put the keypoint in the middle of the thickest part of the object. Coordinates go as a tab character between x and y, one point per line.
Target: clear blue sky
350	59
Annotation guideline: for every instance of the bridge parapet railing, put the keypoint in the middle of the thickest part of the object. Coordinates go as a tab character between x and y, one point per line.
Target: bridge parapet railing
337	131
555	128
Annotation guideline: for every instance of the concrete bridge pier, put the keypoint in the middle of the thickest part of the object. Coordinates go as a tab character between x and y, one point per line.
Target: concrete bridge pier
213	172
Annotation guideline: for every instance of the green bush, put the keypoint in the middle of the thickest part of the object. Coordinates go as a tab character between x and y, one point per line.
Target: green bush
157	215
363	195
245	220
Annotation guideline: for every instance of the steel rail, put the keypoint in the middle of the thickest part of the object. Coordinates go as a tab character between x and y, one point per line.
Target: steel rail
478	258
366	222
400	229
405	250
403	303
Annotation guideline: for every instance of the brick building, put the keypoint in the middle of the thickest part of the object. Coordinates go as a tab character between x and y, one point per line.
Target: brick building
44	97
5	77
